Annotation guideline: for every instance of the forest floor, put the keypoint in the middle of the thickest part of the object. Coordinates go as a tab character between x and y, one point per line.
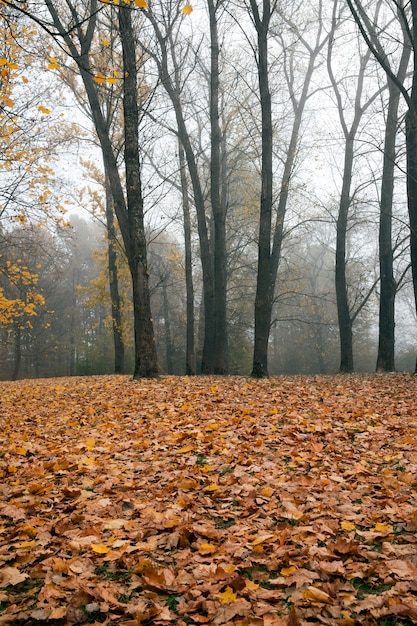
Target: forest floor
209	500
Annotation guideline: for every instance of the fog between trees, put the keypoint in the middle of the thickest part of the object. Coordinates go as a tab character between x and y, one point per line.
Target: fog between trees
264	207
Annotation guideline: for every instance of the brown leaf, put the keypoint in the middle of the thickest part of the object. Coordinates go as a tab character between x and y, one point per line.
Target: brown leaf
11	576
293	618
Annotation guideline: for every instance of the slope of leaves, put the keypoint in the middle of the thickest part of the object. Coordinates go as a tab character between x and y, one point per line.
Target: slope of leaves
210	500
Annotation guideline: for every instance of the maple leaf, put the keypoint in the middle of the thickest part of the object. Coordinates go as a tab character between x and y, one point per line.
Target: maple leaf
228	595
100	548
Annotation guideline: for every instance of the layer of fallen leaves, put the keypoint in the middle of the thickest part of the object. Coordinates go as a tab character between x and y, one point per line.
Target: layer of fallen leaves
209	501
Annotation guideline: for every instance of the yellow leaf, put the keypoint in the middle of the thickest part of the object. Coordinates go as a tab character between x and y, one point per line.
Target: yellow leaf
100	548
105	42
112	80
227	596
212	487
187	9
99	78
207	548
13	66
288	571
3	61
21	451
347	526
7	101
383	529
186	449
267	492
90	443
142	4
43	109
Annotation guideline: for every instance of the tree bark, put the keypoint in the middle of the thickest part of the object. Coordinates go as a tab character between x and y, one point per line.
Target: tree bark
386	342
146	365
119	348
167	327
343	310
218	208
190	368
264	293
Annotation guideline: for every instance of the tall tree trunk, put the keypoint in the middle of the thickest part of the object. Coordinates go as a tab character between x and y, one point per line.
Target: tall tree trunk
17	352
343	311
388	287
167	327
264	293
218	209
119	348
190	368
146	365
269	257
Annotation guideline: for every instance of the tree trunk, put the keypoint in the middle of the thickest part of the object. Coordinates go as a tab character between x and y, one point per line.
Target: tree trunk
218	209
388	287
264	293
145	349
167	328
17	353
386	342
119	348
190	368
343	311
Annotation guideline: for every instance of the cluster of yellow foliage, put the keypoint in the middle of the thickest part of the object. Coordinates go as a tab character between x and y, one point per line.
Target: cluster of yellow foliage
21	161
19	309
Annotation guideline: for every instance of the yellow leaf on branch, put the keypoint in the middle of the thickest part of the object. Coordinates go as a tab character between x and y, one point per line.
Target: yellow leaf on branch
43	109
142	4
99	78
187	9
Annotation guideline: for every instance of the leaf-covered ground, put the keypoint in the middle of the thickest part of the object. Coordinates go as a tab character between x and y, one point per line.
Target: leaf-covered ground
181	501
